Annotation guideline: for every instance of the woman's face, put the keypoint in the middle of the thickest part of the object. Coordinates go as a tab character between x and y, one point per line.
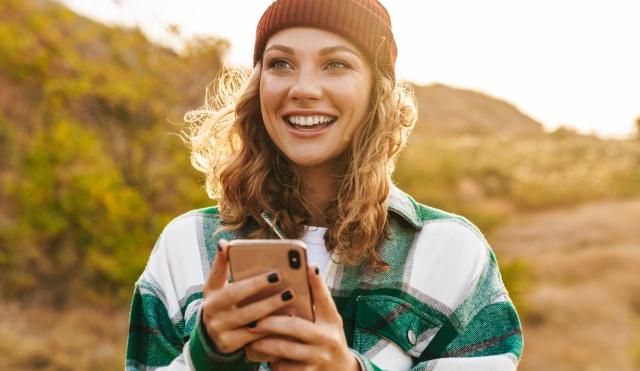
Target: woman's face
314	94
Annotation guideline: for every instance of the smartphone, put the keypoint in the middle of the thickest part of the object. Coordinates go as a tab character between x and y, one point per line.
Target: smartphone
248	258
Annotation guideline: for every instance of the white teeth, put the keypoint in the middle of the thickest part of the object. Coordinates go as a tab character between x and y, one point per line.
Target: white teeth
309	120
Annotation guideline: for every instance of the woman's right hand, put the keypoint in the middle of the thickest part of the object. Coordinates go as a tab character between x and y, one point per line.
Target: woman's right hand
227	323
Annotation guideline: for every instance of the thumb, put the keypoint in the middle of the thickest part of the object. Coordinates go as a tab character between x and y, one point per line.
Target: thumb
219	269
323	302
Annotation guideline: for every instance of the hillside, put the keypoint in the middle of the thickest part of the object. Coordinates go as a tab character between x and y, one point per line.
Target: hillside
89	170
449	111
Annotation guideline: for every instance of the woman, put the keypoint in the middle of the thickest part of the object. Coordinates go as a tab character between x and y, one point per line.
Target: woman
305	150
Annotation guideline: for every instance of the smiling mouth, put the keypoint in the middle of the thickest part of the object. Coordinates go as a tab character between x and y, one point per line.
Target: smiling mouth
309	123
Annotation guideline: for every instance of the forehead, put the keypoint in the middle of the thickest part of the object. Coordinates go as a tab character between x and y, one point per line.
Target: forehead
309	39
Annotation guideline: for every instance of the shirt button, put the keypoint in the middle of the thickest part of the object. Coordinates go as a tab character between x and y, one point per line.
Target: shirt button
411	336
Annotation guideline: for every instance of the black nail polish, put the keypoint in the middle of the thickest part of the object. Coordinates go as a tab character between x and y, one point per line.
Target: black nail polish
317	271
252	324
287	295
273	278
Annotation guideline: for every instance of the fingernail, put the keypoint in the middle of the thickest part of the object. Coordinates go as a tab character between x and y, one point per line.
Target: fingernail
252	324
273	278
287	295
317	271
219	247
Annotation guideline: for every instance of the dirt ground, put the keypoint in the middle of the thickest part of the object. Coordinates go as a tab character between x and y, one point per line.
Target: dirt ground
583	307
34	338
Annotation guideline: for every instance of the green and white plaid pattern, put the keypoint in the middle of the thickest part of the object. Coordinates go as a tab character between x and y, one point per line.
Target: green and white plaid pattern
441	305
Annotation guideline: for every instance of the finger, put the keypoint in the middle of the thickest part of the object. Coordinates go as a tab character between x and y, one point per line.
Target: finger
260	309
286	365
231	341
258	357
287	349
325	308
219	269
294	327
241	290
278	365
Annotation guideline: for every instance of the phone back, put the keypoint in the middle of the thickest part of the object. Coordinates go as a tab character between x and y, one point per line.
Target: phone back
248	258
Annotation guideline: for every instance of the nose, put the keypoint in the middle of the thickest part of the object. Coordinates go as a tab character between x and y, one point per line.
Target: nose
306	87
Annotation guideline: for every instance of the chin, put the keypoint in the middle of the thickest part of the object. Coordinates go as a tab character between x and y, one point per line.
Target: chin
307	162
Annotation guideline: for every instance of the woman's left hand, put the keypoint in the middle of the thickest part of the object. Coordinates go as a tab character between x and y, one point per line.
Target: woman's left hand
308	346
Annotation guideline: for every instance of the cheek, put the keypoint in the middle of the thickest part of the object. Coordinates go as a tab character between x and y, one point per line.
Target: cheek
356	105
271	97
272	92
264	99
354	95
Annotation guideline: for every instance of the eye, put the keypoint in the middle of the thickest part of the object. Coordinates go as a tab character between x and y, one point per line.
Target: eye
278	64
337	65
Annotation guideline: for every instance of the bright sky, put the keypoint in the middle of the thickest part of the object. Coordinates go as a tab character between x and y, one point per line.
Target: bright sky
562	62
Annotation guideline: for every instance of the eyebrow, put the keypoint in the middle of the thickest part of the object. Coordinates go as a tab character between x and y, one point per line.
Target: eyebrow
323	51
338	48
283	48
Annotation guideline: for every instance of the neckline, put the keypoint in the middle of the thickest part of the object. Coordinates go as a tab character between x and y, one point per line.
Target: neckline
313	228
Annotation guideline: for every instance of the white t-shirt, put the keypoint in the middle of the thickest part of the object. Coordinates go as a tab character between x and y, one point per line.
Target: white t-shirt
316	250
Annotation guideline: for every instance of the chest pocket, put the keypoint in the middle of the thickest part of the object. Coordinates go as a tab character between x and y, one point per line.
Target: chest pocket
383	320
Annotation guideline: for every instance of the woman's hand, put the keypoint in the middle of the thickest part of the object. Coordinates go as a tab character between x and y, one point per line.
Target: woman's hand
228	324
304	345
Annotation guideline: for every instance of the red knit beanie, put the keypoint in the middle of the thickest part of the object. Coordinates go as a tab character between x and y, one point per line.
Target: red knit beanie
366	23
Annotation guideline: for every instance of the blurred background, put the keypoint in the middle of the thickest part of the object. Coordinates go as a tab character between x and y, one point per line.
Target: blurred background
92	96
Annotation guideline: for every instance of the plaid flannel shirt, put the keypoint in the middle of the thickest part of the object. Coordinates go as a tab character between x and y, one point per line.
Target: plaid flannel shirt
442	304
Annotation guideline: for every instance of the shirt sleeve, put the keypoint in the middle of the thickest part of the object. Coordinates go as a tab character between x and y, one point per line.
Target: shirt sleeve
155	342
160	337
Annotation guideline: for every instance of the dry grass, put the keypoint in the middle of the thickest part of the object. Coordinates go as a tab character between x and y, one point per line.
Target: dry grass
491	179
584	310
77	339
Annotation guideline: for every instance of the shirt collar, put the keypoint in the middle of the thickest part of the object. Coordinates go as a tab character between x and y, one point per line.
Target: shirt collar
404	206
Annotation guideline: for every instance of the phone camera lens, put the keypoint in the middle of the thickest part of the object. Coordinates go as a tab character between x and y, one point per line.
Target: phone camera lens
294	259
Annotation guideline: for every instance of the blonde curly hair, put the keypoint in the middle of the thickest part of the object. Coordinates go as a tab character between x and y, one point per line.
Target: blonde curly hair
247	174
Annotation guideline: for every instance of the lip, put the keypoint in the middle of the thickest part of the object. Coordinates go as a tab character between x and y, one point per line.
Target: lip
306	134
307	113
